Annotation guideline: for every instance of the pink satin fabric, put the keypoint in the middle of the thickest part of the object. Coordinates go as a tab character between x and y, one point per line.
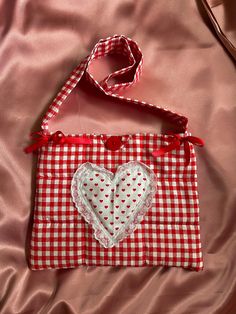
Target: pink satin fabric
187	70
222	15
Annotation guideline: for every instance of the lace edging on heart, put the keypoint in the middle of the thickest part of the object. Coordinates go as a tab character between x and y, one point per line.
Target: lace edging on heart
99	232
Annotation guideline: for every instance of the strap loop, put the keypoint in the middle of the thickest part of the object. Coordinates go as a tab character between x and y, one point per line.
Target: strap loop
116	45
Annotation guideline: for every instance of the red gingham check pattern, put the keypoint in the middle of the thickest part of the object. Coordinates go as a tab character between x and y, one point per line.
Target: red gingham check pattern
169	235
117	44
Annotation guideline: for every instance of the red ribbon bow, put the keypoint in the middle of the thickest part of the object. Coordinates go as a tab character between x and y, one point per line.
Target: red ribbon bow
56	138
175	141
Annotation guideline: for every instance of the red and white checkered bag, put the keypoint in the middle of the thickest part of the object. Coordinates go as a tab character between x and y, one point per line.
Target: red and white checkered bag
126	200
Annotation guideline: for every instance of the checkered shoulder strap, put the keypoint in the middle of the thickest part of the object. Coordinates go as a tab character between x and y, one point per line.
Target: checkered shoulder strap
116	45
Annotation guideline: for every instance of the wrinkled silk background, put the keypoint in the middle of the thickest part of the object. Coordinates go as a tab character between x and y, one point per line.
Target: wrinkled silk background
189	66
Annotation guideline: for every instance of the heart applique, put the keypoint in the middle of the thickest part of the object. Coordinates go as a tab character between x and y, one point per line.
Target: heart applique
113	204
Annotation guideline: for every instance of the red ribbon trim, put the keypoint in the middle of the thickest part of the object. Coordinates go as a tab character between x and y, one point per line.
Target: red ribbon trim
58	137
175	142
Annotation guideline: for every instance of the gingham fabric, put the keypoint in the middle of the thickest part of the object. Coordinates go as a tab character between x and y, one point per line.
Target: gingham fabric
168	235
116	45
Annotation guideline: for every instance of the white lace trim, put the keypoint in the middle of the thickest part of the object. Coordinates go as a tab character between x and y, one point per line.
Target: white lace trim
92	177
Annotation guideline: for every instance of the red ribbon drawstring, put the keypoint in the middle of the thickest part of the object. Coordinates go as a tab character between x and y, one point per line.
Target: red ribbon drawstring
175	141
41	139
